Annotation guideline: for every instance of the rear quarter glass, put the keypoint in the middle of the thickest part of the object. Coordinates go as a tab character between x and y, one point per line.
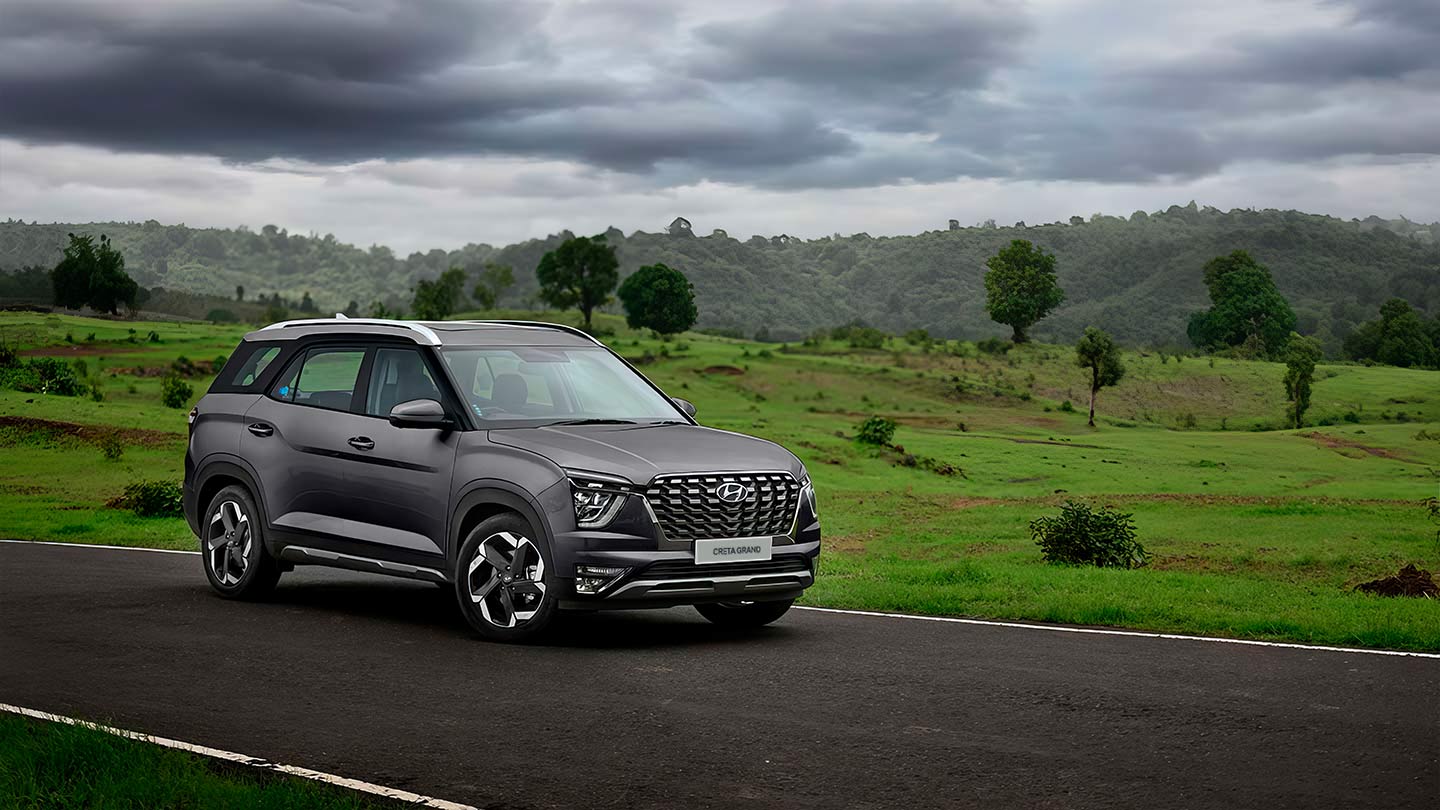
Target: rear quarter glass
249	368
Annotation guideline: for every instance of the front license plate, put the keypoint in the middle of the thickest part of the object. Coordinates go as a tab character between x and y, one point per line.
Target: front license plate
723	551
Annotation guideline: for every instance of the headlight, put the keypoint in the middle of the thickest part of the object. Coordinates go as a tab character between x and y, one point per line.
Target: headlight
597	499
807	491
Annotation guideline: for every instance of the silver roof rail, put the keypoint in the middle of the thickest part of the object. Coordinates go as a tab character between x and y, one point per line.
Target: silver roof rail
427	335
544	325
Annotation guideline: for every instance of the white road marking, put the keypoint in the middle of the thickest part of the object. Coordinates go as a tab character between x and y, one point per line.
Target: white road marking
230	756
1053	628
1099	631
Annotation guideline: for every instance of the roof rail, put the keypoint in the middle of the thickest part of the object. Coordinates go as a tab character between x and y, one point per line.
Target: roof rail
427	336
544	325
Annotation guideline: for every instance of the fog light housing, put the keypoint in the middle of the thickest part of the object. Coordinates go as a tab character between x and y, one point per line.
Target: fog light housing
594	579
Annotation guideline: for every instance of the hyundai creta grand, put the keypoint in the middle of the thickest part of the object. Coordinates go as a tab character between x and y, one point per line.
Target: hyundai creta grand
525	465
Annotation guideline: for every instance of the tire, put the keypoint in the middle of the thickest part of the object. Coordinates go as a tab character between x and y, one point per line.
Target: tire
744	614
232	546
500	602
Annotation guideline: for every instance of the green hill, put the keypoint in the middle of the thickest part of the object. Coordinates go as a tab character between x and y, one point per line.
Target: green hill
1138	277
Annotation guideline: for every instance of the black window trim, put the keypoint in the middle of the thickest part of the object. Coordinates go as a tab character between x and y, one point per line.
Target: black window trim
438	375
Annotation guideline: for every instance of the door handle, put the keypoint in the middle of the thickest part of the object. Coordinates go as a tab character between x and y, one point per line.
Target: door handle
362	443
260	429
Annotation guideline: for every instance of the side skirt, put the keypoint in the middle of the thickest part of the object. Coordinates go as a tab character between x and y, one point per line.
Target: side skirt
302	555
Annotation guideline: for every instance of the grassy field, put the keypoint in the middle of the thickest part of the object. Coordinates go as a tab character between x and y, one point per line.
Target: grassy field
1257	532
51	765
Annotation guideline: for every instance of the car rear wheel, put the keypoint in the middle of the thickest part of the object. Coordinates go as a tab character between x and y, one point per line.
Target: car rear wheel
744	614
504	581
232	546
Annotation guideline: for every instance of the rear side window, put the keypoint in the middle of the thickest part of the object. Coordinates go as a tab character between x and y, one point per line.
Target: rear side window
322	378
245	371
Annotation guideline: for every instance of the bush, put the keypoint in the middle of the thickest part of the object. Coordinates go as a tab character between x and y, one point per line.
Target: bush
175	392
994	346
1082	536
1067	407
153	499
43	375
221	316
153	337
876	430
111	447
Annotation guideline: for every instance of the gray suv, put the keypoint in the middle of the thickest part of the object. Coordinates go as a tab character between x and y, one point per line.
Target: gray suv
525	465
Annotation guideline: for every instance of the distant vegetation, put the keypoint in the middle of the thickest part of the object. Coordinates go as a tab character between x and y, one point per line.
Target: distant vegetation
1140	277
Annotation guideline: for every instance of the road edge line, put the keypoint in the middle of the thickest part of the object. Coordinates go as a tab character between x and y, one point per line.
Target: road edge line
395	794
1054	628
1101	631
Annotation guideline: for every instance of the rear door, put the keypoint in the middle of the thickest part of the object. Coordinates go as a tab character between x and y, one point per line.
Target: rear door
298	436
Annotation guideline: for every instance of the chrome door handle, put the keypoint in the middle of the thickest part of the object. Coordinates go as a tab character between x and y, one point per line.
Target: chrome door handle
362	443
260	429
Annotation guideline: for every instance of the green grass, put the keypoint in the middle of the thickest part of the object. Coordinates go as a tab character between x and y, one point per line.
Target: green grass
53	765
1256	533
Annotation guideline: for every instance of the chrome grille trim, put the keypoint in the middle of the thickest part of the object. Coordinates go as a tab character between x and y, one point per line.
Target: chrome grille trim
686	508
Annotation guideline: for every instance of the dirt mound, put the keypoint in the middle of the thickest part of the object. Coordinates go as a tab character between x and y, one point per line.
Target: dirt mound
90	434
727	370
1340	444
76	350
1410	581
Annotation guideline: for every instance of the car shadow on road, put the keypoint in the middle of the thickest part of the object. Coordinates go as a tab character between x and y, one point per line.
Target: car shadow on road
424	605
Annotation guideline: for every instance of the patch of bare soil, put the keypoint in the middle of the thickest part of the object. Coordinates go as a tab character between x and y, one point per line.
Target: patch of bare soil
1190	499
90	434
1409	581
1339	444
196	368
75	350
729	371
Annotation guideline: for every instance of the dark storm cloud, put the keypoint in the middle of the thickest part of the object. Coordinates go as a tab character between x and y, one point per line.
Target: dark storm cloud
825	94
333	82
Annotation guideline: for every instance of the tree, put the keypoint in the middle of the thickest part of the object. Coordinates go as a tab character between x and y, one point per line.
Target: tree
1097	352
1301	355
94	276
580	273
352	309
660	298
1247	309
307	304
1020	286
495	279
239	292
1399	338
437	300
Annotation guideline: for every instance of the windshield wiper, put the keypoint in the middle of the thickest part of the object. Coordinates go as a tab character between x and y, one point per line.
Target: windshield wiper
592	422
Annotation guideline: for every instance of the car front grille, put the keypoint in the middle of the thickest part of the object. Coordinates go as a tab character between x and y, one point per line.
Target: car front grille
689	507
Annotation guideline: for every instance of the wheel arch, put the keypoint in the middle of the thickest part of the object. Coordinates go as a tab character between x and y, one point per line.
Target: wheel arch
217	473
485	499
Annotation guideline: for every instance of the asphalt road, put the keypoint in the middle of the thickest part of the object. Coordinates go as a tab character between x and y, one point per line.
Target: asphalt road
378	680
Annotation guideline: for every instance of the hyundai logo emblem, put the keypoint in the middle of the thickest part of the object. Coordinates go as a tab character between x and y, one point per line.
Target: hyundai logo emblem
732	492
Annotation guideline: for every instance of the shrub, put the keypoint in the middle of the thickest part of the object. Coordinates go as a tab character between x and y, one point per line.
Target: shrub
876	430
43	375
221	316
153	499
1351	416
153	337
219	362
994	346
1067	407
1186	421
8	357
1080	535
175	392
111	447
918	337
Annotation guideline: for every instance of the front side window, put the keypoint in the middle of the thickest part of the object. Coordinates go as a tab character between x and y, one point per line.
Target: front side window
526	386
398	375
323	378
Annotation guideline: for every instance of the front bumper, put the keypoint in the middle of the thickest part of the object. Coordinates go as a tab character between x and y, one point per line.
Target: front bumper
668	578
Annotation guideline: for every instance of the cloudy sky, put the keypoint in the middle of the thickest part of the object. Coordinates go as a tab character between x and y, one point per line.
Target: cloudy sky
432	123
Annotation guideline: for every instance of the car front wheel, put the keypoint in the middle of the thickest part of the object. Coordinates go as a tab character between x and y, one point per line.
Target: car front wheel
504	581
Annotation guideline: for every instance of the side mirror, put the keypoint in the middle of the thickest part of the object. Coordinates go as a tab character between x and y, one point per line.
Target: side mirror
685	405
419	413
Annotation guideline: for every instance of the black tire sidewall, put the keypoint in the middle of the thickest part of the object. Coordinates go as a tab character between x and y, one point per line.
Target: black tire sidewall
537	624
260	570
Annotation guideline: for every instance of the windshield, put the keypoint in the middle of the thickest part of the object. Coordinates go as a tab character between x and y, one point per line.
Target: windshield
528	386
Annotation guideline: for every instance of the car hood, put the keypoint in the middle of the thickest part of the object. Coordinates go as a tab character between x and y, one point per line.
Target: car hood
640	452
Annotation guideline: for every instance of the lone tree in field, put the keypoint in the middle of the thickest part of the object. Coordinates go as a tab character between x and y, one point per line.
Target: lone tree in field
581	273
660	298
495	279
437	300
1020	287
1247	309
1301	355
93	276
239	292
1098	353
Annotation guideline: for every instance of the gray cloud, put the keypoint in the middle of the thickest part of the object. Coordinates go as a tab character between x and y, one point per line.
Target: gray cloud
826	94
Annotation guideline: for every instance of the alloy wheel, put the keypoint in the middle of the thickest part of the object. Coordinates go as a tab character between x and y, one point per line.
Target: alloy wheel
506	579
228	543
